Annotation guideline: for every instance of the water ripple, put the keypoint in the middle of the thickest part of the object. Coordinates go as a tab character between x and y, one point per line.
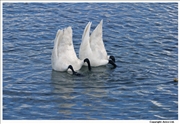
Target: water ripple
143	37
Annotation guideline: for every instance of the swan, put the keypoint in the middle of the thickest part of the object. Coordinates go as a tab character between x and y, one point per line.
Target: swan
63	56
93	48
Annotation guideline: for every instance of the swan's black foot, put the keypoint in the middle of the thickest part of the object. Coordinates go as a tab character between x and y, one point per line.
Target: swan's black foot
112	63
112	58
74	73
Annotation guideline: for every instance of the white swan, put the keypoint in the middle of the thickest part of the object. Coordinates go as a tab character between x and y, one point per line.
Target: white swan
93	48
63	54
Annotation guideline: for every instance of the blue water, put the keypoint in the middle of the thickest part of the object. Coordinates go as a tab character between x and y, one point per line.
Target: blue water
143	37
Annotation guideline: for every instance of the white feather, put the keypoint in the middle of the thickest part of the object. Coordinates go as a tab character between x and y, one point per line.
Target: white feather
92	47
63	53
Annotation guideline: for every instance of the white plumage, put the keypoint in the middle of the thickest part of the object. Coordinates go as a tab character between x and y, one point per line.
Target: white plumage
92	47
63	53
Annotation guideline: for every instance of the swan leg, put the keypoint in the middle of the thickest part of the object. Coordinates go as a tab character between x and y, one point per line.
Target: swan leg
88	62
112	63
74	73
112	58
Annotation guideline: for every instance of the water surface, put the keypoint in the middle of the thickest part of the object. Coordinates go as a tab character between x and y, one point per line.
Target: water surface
143	37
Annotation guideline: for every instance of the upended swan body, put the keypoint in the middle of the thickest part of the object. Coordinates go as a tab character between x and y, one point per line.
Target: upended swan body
63	54
92	47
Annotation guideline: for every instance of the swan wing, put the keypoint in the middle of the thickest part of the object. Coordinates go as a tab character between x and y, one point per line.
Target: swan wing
66	48
63	53
56	41
65	41
96	41
85	46
65	45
